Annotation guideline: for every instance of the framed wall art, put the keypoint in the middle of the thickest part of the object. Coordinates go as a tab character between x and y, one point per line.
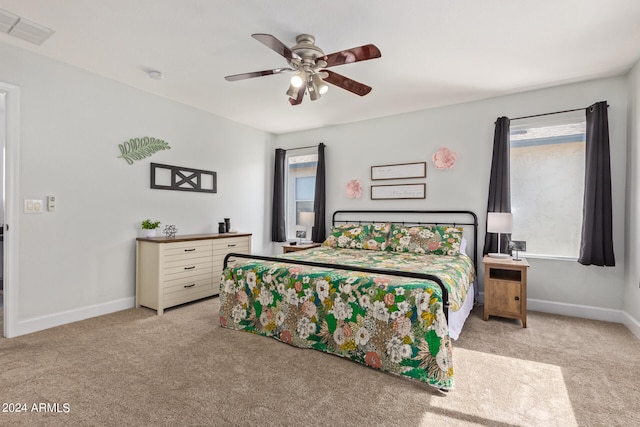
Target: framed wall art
399	171
166	177
399	191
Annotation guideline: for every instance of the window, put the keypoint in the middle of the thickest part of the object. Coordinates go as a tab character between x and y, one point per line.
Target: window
301	182
547	185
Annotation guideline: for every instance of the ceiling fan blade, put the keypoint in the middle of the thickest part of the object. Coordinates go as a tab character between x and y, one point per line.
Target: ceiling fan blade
274	44
301	90
243	76
346	83
361	53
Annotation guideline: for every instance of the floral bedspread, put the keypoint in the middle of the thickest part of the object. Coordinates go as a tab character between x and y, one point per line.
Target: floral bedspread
390	323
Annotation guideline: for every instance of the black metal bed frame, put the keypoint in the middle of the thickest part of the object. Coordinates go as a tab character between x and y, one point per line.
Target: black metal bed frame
422	276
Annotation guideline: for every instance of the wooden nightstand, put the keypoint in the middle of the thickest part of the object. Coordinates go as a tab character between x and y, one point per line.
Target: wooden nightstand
299	247
505	288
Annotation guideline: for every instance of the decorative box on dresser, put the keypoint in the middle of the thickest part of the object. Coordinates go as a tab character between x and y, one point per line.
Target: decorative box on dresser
505	288
176	270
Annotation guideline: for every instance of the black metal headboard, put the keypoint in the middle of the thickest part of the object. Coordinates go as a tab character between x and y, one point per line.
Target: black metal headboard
456	218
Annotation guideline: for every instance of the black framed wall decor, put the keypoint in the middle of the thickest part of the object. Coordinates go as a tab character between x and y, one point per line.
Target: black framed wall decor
167	177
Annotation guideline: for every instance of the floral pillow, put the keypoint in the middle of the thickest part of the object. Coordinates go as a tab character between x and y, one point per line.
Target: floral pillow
345	236
436	240
375	236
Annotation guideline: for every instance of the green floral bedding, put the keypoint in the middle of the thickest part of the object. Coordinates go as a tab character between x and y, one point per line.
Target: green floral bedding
390	323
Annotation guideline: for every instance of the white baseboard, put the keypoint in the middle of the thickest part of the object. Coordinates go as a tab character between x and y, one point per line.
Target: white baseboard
49	321
575	310
632	324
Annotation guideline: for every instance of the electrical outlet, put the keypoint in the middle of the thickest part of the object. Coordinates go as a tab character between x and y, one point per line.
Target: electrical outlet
51	203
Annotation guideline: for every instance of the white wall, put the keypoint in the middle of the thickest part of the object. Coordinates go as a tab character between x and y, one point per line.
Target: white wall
80	259
468	130
632	286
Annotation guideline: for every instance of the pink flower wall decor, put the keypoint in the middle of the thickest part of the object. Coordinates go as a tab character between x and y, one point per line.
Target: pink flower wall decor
353	189
444	158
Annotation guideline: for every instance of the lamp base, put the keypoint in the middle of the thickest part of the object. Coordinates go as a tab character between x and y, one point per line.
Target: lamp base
498	255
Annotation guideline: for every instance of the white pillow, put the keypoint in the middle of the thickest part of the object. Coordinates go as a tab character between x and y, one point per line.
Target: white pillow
463	245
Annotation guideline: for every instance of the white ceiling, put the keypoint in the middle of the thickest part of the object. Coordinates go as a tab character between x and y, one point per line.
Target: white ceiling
434	52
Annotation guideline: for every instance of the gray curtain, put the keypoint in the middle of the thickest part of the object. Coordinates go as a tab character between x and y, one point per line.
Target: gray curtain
499	183
278	214
596	246
318	232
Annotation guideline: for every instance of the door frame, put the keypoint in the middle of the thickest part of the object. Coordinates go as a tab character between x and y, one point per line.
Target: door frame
11	207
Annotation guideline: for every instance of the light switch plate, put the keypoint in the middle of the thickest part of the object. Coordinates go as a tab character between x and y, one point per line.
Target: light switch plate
33	206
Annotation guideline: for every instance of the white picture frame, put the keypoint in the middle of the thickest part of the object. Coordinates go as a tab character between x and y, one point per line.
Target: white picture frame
399	171
398	191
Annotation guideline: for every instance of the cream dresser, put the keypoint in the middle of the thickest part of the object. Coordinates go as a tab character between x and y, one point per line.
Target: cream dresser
173	271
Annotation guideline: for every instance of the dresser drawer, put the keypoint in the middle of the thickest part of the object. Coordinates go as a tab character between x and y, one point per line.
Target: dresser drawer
182	280
230	245
184	264
187	286
186	249
180	256
188	295
198	266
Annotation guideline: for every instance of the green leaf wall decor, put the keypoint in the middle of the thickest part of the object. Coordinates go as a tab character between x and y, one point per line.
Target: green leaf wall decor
139	148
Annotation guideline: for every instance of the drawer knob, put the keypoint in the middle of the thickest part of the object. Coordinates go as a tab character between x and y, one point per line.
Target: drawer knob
190	250
190	286
190	268
231	246
517	298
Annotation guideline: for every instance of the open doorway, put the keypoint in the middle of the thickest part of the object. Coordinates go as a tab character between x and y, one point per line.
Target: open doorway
9	212
2	143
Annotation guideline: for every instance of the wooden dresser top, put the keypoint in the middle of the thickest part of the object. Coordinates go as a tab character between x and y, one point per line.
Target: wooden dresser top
190	237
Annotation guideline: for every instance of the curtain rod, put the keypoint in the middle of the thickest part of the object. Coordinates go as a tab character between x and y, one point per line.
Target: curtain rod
548	114
298	148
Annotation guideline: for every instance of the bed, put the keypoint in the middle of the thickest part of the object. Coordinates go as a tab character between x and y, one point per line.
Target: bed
387	293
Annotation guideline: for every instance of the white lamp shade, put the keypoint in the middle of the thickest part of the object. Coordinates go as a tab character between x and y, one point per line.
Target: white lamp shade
499	222
307	219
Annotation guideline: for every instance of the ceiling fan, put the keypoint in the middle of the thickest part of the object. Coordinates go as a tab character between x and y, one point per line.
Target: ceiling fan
309	64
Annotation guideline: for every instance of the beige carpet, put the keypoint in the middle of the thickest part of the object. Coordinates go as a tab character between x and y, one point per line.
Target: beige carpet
134	368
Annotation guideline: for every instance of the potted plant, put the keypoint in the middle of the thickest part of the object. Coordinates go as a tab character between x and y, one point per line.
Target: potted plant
150	227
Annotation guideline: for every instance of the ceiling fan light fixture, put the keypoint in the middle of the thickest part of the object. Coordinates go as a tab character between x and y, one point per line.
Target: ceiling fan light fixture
320	86
313	90
298	78
293	91
308	61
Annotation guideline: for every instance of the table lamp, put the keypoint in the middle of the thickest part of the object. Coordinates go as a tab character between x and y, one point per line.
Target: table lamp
499	222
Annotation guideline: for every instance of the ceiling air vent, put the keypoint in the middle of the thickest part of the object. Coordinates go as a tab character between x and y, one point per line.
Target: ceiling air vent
7	20
23	28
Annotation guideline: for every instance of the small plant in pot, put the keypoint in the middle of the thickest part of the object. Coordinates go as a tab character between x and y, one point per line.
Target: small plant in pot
150	227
